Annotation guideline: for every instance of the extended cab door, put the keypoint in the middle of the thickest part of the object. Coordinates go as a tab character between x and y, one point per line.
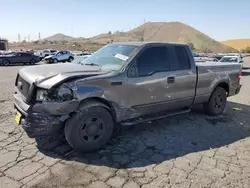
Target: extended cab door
185	75
150	82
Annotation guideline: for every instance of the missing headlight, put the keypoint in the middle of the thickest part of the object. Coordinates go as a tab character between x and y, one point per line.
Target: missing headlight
60	94
64	93
42	95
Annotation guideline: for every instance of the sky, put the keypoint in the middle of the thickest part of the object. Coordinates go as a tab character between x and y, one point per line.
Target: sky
220	19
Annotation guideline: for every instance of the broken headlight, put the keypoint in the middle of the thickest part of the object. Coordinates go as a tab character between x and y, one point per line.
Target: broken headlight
64	93
60	94
42	95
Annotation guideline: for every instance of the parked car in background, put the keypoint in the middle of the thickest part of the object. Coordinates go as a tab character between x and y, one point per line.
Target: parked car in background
19	57
86	101
218	56
61	56
232	59
44	53
199	58
80	53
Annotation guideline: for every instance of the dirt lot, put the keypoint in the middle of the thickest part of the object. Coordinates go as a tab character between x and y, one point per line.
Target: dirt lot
192	150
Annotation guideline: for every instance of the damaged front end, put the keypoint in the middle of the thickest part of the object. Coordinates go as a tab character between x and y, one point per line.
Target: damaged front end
47	111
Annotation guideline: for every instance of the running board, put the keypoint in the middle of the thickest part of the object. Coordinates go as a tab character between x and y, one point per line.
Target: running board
160	115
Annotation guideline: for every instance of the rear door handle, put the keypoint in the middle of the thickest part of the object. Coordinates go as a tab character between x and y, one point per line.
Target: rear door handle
171	80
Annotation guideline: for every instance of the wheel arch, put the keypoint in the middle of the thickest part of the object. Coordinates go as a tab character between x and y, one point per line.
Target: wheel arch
96	101
224	85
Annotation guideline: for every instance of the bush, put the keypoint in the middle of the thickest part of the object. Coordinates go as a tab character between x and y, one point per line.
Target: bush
246	50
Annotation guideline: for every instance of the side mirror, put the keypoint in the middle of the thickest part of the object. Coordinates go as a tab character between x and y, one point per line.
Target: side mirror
132	71
241	61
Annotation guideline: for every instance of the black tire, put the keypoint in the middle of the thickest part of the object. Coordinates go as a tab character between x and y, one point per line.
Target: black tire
217	102
6	62
32	62
55	61
89	129
70	59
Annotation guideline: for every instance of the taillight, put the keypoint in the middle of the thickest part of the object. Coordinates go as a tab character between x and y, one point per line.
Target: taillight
239	75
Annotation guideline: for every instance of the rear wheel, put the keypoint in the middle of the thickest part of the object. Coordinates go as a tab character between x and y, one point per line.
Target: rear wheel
32	62
90	129
217	102
6	62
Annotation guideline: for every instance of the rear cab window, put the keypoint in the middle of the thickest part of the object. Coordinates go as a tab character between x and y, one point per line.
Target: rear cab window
182	60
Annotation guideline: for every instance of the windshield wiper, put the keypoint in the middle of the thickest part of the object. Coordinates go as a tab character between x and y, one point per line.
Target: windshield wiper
91	64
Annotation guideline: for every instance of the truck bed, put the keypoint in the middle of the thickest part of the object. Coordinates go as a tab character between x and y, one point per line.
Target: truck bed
215	65
210	74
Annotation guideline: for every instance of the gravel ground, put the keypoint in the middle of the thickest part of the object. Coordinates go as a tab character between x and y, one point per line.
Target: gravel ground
192	150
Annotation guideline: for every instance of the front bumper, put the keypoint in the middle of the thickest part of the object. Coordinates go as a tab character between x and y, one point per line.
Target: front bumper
38	124
49	60
43	119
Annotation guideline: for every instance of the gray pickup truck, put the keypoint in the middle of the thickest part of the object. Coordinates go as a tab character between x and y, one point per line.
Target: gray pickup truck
120	84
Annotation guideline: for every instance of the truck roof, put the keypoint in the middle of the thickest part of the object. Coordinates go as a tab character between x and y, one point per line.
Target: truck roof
147	43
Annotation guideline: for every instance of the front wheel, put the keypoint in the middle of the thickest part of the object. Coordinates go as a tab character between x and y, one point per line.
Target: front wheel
55	60
90	129
70	59
217	102
32	62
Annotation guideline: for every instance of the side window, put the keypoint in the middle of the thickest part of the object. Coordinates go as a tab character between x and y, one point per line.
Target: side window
25	54
182	58
153	59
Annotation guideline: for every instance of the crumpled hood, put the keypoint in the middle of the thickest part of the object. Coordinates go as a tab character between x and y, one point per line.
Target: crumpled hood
47	76
49	56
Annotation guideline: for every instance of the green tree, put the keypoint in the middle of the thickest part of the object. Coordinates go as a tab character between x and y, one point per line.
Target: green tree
247	50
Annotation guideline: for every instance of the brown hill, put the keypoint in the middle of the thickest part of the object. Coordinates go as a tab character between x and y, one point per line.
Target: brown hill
238	44
166	32
59	37
152	31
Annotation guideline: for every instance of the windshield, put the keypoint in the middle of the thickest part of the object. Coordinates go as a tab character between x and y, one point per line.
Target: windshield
79	59
229	59
111	57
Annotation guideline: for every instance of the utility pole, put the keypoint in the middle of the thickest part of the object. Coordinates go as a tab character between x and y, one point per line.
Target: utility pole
19	37
39	36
